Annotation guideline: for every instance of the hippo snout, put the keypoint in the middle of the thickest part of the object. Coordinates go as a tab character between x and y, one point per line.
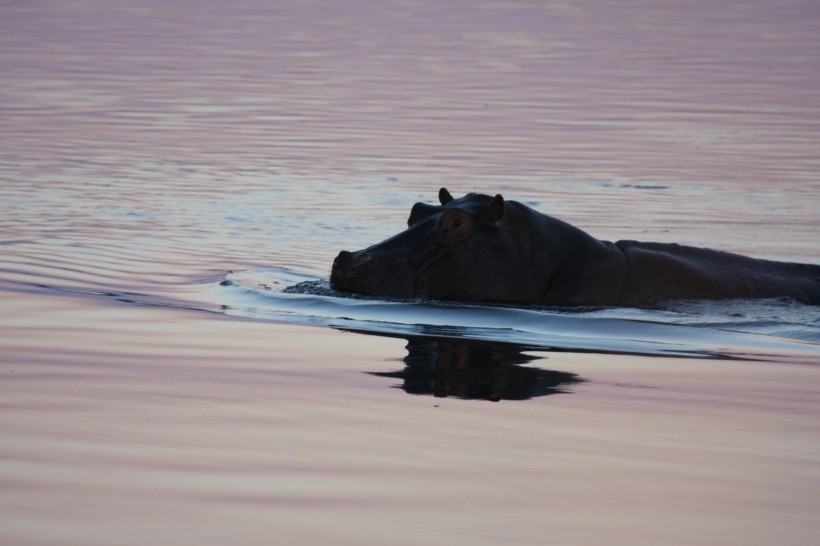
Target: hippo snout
348	268
342	262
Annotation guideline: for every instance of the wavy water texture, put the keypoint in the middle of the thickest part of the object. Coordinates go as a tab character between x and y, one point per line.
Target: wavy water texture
177	176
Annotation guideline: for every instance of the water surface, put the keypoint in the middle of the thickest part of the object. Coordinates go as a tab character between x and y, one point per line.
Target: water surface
168	169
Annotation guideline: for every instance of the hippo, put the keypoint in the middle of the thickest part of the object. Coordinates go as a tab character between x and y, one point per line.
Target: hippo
487	249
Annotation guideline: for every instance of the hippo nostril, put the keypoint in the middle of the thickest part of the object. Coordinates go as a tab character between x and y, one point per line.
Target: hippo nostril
362	260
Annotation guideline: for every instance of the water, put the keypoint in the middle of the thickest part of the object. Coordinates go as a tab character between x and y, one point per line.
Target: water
168	170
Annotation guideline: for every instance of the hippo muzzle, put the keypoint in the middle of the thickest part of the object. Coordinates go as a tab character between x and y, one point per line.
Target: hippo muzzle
372	272
350	271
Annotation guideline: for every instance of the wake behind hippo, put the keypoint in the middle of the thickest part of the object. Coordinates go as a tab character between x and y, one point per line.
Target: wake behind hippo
487	249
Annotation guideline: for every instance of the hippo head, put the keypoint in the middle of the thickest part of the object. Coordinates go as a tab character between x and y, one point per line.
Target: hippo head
466	249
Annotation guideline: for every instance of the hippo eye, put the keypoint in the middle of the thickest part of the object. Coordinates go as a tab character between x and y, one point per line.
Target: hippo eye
455	224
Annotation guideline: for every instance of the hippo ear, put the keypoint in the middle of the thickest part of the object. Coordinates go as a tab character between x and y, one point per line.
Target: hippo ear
496	208
444	196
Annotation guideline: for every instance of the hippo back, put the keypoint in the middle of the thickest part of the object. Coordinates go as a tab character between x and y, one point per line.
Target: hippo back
668	270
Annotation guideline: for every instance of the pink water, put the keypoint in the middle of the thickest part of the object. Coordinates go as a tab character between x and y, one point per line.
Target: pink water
149	148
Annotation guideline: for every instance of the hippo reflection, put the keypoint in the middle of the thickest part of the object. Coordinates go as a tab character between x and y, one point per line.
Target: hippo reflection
475	370
487	249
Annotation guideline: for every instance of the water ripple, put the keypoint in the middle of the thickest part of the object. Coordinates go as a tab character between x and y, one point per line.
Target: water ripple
757	330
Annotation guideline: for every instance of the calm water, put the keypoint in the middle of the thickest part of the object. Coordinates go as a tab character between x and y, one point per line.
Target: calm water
168	169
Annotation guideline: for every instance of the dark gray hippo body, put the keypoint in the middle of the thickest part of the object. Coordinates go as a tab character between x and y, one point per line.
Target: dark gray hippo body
485	249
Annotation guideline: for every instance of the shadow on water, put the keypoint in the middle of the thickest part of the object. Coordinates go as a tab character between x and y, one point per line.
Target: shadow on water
470	369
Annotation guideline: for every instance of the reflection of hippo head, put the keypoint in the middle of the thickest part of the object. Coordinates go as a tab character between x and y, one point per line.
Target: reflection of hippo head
474	369
467	249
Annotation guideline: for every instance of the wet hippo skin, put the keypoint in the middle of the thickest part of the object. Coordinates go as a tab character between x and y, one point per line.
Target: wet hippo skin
487	249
